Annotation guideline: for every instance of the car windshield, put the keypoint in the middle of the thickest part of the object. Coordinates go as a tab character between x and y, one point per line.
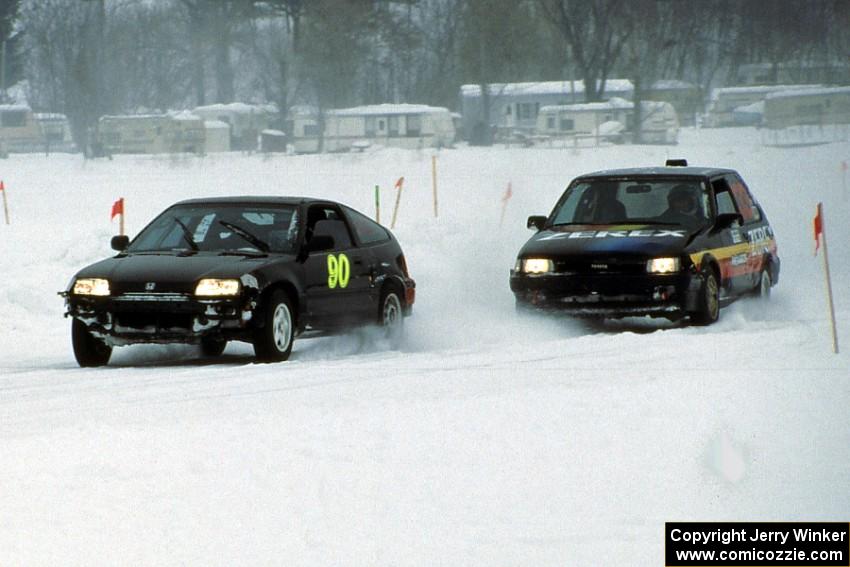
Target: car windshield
681	202
221	228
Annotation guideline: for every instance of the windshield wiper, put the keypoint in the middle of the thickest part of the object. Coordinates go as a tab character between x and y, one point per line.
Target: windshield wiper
248	253
187	234
259	244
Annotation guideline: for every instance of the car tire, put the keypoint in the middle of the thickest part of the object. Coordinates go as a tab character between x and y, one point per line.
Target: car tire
212	346
273	340
88	349
391	316
709	301
765	283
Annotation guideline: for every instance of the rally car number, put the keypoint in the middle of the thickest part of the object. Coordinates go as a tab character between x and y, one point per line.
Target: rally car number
339	271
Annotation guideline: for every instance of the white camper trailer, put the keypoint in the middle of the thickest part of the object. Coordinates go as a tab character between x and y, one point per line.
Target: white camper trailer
608	121
725	101
19	131
408	126
152	133
246	121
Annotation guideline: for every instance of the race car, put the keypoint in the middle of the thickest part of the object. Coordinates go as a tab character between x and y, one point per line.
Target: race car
672	242
256	269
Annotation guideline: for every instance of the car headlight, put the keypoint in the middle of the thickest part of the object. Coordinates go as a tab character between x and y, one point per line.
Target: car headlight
537	266
662	265
91	286
214	287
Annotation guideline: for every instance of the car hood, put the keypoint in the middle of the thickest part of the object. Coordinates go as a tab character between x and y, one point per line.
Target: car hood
635	240
170	272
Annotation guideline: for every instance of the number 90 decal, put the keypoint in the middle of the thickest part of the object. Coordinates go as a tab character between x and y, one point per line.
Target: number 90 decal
339	270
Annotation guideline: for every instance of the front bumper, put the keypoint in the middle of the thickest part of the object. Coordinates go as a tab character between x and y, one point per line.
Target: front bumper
609	295
160	318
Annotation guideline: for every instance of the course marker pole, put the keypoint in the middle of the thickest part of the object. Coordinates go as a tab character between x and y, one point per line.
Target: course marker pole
377	204
118	210
5	202
398	185
505	198
434	182
820	236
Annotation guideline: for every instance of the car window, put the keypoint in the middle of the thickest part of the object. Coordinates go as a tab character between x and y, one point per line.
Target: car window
743	199
327	220
682	201
367	230
723	197
217	228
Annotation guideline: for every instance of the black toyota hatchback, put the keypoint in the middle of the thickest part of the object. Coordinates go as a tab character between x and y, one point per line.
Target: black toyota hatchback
668	242
254	269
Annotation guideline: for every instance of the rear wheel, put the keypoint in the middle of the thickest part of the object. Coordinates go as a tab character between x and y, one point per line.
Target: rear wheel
709	302
273	341
89	350
391	317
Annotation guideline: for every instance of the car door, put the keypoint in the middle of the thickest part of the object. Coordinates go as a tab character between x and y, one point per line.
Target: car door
338	281
755	230
733	251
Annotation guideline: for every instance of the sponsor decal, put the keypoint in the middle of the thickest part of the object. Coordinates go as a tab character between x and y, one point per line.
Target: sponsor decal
339	270
640	233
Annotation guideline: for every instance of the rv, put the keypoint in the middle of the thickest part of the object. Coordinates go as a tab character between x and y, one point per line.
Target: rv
410	126
828	105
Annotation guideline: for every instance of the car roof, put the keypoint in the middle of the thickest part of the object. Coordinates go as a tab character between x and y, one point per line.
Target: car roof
690	171
252	200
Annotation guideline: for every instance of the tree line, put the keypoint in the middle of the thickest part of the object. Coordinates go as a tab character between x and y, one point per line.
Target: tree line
88	58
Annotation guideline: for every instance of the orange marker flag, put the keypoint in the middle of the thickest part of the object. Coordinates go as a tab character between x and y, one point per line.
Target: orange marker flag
118	209
398	185
818	226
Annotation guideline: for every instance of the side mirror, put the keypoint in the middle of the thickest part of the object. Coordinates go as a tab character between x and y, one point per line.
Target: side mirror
536	222
320	243
726	220
120	243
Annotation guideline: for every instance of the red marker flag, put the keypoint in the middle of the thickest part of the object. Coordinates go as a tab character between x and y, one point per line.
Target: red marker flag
399	182
2	187
117	208
818	226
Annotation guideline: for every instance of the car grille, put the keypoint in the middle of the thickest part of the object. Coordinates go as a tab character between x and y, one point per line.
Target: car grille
158	320
593	266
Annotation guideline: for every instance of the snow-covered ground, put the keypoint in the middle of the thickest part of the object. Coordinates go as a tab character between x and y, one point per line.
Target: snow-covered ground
487	440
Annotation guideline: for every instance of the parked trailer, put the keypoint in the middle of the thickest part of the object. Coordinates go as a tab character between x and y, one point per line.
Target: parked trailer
660	124
409	126
725	101
246	121
152	134
807	116
19	132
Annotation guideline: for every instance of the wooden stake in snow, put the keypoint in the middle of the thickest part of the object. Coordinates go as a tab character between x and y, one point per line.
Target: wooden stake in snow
398	185
505	198
118	209
377	204
5	202
434	182
820	236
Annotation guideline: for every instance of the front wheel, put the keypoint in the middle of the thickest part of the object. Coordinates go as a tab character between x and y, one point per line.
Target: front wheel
765	283
273	341
709	301
89	350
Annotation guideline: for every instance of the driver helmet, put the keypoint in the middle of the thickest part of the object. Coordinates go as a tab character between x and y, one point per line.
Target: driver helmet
682	198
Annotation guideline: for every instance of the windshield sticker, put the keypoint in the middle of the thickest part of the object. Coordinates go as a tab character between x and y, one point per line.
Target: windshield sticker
203	227
644	233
